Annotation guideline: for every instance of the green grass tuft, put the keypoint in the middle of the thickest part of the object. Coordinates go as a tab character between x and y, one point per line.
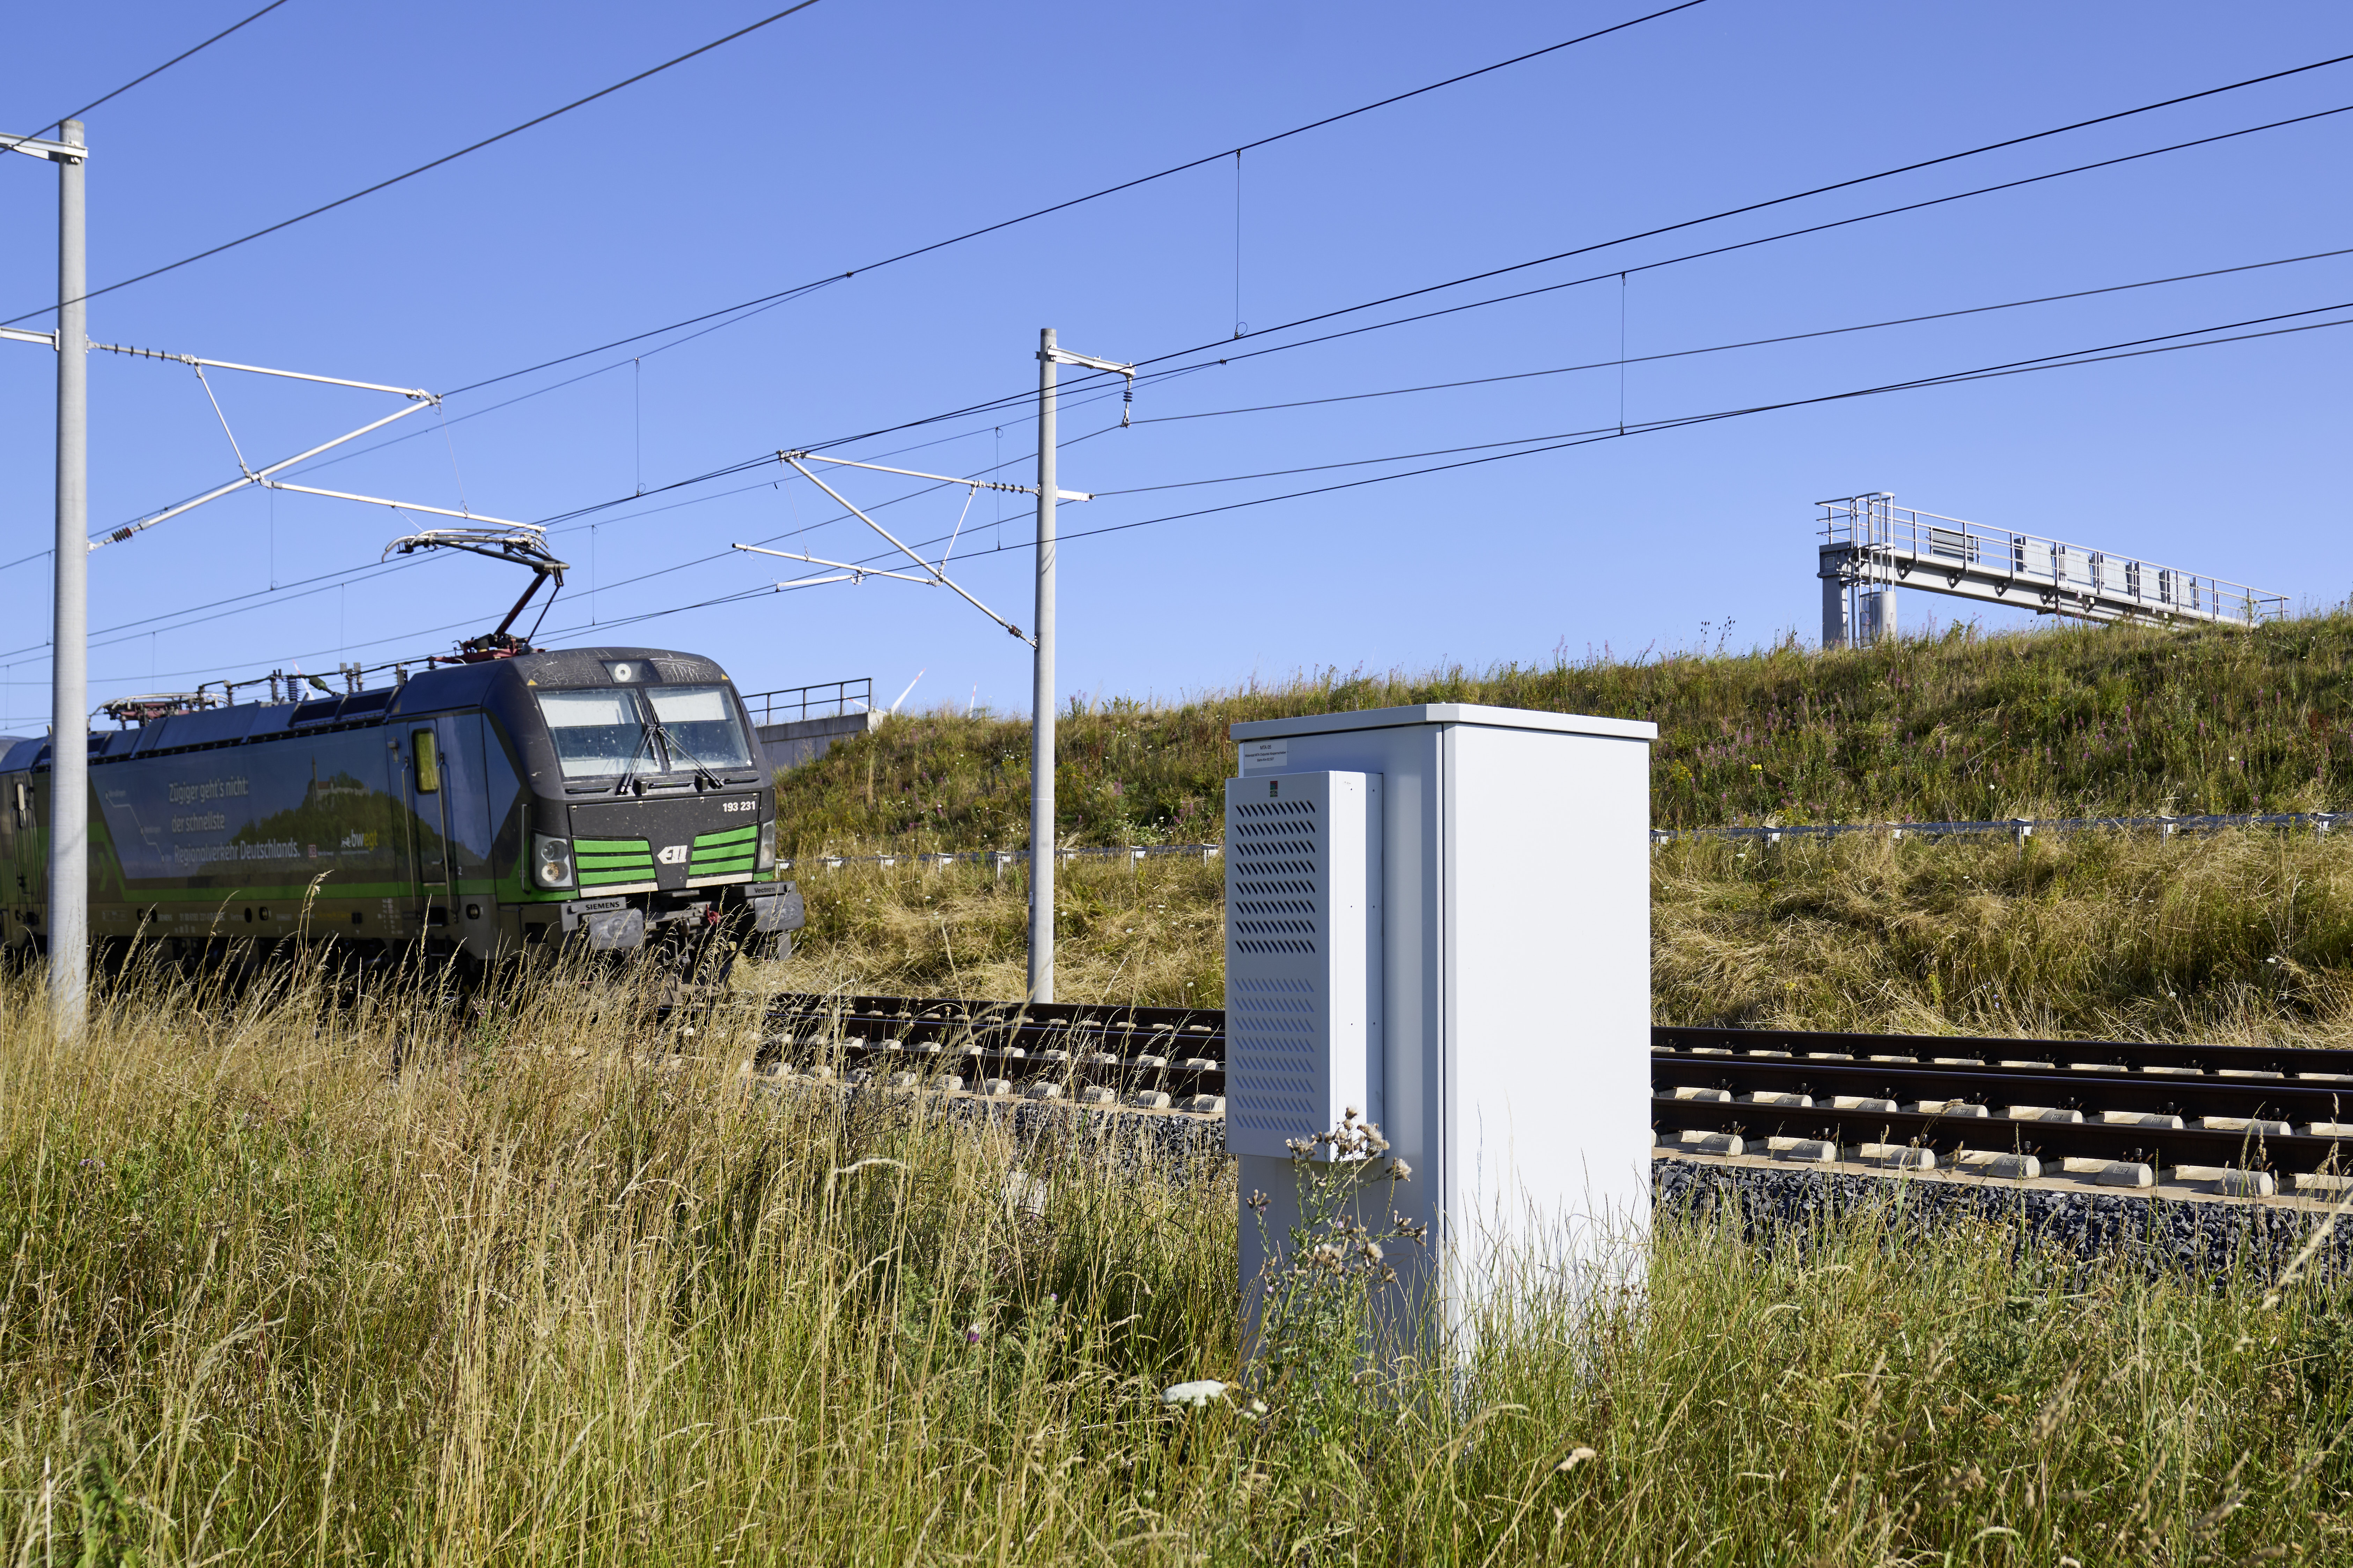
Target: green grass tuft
1958	727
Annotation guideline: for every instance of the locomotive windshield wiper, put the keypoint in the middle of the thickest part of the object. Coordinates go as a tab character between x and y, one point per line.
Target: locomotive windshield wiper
703	776
630	768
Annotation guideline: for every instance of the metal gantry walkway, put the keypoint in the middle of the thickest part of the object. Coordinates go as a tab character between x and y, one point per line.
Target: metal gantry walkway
1871	547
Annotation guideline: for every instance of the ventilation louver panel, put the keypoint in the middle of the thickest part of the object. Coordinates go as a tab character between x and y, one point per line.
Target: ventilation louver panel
1274	866
1301	928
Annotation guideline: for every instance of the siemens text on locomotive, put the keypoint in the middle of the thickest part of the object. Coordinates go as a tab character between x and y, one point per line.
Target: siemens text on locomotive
597	796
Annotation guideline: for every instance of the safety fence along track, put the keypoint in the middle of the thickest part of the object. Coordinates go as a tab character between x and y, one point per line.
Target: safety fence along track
2020	828
1001	860
2240	1121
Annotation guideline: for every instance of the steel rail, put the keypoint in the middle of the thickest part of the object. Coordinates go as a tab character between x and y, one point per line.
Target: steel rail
2250	1109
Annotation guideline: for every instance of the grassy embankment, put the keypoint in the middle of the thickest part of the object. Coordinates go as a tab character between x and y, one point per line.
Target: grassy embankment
529	1302
2239	935
2052	722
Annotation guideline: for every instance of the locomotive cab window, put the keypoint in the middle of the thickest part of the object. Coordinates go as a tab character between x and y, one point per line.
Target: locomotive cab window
596	731
700	726
428	760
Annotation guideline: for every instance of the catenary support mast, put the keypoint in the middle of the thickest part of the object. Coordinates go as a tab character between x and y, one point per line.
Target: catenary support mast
1042	846
1041	703
1041	740
68	918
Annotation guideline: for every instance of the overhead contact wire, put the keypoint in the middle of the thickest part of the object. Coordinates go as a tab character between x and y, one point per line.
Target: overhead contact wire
423	168
1173	169
1226	153
58	124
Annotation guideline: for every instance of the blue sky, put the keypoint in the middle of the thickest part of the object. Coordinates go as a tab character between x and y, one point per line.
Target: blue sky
858	129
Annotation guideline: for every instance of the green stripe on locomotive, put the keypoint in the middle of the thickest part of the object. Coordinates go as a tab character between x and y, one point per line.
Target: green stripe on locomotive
324	818
610	862
725	852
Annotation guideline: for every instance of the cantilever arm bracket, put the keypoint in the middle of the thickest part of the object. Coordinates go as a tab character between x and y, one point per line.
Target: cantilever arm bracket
852	572
935	576
265	477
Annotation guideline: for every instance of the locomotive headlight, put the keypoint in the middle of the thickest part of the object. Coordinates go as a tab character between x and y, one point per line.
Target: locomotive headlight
765	860
551	860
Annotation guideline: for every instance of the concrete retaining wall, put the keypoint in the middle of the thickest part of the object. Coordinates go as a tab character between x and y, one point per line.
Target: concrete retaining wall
802	741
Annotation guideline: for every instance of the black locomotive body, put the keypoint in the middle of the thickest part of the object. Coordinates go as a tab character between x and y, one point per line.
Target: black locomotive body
599	796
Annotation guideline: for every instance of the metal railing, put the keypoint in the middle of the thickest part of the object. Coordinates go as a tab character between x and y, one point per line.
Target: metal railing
2019	827
1888	541
1001	859
827	698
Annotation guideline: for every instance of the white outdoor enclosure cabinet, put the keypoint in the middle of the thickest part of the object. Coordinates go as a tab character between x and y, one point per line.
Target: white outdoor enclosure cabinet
1440	915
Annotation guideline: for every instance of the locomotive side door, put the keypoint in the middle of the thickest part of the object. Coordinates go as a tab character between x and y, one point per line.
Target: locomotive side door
428	821
23	878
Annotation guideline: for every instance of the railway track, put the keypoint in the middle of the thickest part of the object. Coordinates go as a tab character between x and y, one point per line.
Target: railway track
2243	1120
2231	1118
1150	1059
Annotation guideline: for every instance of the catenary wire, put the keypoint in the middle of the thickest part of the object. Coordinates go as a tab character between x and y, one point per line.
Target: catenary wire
1748	343
1403	457
768	302
1214	157
761	461
421	168
355	573
784	299
1013	399
2165	103
622	501
8	142
1740	245
822	523
2127	349
1732	212
2104	354
746	310
1612	433
1645	428
1525	440
136	631
370	570
1093	195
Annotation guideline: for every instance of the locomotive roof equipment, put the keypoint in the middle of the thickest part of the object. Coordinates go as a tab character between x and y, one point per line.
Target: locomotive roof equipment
523	542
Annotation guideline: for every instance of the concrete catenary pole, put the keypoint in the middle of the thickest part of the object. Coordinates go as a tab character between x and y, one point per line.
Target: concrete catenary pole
1041	738
68	919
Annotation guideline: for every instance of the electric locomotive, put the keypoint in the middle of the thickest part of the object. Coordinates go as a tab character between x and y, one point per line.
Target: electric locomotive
599	797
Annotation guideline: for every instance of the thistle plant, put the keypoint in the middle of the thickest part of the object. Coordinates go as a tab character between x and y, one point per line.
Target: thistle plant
1320	1354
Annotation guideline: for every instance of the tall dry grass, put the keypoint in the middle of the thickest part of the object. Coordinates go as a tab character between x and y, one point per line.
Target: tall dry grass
1148	931
546	1294
2243	935
538	1298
